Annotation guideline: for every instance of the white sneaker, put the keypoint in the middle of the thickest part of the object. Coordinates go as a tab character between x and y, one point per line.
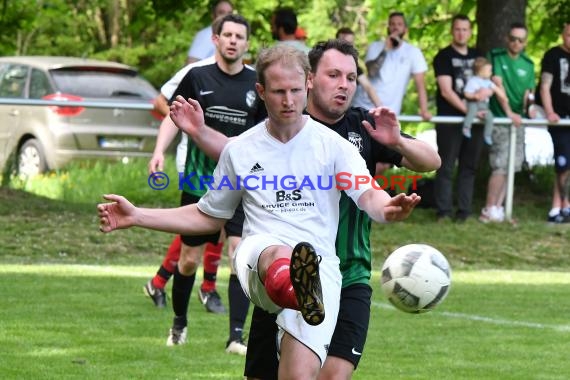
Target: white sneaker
236	347
176	337
500	214
492	214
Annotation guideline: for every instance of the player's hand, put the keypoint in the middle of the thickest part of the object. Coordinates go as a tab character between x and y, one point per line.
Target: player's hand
400	206
118	214
187	115
387	131
156	163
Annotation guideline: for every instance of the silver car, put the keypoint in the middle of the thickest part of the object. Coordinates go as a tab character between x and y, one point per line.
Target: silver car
40	137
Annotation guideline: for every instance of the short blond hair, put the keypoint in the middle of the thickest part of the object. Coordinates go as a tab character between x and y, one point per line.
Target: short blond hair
281	53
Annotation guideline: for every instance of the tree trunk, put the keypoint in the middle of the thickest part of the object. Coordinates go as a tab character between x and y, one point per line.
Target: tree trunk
493	20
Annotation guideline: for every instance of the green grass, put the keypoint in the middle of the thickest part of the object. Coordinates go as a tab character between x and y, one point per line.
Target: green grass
72	305
92	322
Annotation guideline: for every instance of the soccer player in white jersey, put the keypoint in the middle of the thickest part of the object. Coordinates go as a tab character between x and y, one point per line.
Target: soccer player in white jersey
286	261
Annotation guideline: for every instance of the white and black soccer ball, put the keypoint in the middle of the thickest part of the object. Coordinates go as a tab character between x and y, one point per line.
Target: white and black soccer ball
416	278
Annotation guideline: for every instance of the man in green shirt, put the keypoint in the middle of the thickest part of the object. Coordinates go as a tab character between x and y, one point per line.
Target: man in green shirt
514	71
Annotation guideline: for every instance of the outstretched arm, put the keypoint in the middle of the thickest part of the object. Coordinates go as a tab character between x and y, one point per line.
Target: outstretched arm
188	116
186	220
417	155
381	208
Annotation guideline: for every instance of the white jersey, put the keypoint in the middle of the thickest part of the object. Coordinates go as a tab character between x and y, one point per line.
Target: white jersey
202	46
288	189
398	67
167	90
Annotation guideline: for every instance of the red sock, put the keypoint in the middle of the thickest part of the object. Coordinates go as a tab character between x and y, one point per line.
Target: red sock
168	264
278	284
211	259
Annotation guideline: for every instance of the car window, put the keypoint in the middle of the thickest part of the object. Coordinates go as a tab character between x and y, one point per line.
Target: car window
39	85
13	81
102	84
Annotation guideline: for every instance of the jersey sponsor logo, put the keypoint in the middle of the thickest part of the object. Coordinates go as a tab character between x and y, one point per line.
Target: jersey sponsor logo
250	98
282	195
256	168
202	92
356	140
227	115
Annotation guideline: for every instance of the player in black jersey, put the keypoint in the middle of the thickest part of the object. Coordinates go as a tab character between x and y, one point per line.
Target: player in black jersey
226	92
332	83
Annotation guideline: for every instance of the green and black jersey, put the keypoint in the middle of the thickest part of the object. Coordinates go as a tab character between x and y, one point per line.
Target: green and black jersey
353	236
231	106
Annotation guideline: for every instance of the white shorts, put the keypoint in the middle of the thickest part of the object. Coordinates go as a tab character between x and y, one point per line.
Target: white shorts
317	338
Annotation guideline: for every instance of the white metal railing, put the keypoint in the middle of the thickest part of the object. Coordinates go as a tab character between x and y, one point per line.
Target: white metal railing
512	145
403	118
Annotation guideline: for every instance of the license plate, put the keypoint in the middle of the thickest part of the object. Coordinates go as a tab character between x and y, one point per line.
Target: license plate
119	143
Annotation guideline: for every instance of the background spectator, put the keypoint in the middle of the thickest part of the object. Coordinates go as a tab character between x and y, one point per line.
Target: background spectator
391	63
555	98
514	72
202	46
453	66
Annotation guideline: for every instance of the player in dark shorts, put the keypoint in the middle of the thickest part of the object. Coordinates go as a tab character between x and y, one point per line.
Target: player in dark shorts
328	102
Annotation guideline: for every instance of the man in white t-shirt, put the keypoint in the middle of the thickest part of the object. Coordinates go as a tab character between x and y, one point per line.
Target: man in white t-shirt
288	171
202	46
391	64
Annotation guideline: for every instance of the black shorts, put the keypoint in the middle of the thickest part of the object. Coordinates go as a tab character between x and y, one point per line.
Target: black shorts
233	227
561	143
261	358
347	341
351	328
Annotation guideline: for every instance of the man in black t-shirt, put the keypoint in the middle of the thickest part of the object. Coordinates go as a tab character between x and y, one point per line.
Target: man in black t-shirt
554	96
453	67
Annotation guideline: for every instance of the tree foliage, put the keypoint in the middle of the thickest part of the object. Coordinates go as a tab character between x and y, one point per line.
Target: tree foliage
154	35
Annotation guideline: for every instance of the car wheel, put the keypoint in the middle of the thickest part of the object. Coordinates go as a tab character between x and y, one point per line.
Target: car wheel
31	159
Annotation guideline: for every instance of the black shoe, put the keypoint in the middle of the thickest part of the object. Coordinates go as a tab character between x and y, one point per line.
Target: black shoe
304	272
211	301
157	295
562	217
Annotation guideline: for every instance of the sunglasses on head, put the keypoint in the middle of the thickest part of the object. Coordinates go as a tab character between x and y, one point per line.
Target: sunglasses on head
515	38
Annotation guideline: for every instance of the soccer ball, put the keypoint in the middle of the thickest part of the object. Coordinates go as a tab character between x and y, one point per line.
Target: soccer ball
416	278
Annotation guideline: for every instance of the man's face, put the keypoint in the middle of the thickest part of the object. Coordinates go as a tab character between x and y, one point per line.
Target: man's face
222	9
284	93
516	41
397	25
332	86
461	32
232	41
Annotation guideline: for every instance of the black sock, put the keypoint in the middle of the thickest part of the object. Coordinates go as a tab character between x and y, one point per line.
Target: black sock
164	273
239	306
181	290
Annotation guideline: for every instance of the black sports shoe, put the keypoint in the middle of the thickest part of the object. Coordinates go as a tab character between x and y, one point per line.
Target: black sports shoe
157	295
304	272
211	301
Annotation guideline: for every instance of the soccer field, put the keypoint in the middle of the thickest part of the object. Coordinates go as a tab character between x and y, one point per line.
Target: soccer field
93	322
